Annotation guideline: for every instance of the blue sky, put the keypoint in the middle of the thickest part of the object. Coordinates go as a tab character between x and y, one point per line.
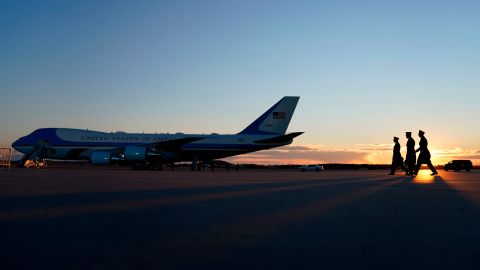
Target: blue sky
365	70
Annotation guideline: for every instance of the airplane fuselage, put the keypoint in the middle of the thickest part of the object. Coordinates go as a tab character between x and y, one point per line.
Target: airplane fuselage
267	131
79	144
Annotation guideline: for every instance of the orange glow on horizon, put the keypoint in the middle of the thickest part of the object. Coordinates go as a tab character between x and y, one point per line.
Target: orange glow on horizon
273	161
357	154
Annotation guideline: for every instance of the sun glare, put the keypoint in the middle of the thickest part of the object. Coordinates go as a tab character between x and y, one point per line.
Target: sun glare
424	177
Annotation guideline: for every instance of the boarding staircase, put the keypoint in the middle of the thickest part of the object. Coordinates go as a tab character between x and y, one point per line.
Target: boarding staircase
36	157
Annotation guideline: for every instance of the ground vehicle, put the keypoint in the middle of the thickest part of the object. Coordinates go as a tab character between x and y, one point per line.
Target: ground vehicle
458	165
311	168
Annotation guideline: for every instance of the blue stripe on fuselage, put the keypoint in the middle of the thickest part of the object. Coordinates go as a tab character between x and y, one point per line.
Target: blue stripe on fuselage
52	139
50	135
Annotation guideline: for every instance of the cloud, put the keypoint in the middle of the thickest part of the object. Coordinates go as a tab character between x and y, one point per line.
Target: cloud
309	156
440	156
296	148
466	157
376	153
375	147
316	154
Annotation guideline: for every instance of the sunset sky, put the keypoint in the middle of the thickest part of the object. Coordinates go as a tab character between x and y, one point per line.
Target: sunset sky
365	71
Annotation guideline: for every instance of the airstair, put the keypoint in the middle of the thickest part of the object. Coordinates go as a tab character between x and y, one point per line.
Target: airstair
36	157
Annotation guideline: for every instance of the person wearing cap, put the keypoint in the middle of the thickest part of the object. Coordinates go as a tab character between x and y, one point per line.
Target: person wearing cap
411	156
424	156
397	159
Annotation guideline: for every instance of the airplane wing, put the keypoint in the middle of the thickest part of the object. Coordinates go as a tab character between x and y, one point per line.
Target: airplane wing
280	139
172	145
140	152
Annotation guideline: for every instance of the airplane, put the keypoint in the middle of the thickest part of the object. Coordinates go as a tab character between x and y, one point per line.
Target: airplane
150	151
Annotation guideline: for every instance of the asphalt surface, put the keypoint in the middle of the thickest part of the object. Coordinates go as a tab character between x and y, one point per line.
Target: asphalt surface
122	219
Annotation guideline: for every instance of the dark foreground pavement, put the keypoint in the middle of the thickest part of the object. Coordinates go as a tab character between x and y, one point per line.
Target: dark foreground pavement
120	219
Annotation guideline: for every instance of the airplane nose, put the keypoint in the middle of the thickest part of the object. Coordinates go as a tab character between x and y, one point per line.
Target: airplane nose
15	144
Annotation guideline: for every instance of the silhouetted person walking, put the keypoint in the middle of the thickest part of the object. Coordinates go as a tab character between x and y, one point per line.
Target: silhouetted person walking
397	159
411	157
424	156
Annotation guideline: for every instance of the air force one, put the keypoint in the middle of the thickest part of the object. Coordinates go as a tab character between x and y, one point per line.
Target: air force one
152	150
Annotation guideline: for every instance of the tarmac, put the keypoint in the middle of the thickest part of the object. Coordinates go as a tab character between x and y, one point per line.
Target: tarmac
122	219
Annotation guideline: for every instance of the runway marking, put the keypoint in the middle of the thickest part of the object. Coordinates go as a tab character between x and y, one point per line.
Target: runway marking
56	212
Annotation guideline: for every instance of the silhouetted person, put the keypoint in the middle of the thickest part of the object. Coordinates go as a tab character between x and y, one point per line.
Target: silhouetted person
424	156
411	157
397	159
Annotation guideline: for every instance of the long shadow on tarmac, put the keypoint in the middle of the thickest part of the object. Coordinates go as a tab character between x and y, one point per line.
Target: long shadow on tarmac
377	223
409	225
55	205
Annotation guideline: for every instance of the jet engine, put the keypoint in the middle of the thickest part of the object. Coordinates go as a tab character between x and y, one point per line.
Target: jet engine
135	153
142	153
105	157
100	157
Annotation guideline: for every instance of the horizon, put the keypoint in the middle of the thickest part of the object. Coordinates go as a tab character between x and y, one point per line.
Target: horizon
365	72
18	156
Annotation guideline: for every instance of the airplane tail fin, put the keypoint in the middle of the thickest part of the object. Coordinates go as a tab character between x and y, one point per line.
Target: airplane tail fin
275	120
